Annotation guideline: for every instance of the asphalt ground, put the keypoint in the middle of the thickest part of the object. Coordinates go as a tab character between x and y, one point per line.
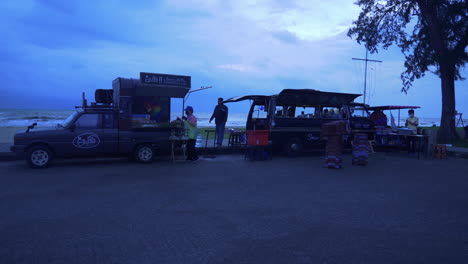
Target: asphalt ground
227	210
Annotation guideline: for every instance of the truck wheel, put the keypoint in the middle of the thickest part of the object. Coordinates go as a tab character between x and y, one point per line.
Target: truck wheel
144	153
294	147
39	157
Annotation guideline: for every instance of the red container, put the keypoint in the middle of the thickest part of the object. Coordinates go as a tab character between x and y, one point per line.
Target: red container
257	137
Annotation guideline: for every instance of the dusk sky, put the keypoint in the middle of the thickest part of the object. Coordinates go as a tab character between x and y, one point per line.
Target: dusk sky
52	50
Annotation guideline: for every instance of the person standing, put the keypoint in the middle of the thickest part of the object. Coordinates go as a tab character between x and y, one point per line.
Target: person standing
190	122
220	115
412	122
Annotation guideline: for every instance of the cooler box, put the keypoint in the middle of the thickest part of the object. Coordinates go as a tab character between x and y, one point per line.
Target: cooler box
257	137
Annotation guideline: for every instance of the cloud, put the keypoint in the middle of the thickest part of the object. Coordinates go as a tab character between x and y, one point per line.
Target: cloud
60	48
285	36
237	67
309	20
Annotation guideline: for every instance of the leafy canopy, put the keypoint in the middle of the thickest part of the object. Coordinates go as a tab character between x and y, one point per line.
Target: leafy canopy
429	32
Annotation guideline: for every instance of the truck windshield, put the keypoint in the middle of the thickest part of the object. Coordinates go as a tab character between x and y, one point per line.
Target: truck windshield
69	119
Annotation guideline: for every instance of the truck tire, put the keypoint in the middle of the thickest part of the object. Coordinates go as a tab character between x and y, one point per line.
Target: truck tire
294	147
144	153
39	157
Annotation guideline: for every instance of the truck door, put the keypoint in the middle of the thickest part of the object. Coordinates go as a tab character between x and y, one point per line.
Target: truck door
83	138
109	134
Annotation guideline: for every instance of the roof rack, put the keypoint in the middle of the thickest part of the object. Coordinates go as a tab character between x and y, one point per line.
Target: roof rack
94	105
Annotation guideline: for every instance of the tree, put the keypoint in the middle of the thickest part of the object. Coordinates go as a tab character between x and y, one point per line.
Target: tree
433	36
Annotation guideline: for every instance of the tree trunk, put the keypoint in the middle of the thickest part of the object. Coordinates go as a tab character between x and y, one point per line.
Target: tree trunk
447	132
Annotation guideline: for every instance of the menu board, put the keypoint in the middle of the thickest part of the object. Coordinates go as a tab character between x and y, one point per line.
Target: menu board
165	79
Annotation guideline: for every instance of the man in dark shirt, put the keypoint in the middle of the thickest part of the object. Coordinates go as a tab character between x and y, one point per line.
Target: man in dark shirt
220	115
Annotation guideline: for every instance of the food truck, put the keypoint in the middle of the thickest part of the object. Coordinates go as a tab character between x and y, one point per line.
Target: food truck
131	119
292	119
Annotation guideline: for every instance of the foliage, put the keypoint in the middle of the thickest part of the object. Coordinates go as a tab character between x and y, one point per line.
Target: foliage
428	32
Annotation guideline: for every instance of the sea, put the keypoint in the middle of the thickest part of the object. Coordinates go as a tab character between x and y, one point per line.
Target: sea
48	118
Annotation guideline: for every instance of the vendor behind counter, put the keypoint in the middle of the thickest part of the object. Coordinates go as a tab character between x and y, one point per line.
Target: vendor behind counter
412	122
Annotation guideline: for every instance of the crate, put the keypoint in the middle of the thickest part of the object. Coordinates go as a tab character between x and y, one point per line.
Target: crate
257	137
334	128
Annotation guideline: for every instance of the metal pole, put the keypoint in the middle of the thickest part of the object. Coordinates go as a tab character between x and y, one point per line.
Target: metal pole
365	80
183	106
398	117
365	74
188	94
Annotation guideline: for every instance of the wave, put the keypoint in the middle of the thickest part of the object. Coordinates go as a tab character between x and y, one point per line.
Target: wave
42	118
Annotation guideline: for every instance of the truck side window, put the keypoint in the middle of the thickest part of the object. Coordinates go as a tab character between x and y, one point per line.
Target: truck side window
107	120
88	121
307	112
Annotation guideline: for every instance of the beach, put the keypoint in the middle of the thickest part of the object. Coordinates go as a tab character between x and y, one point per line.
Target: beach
7	133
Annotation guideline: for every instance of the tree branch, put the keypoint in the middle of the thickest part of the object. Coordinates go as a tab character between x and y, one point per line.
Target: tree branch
435	32
461	45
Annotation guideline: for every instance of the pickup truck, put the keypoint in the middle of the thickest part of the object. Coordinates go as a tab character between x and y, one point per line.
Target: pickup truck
89	132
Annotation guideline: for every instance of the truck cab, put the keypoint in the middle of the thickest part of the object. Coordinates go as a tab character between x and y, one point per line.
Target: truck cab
89	132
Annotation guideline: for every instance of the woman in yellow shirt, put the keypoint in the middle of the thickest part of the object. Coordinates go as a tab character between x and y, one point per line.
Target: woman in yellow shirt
191	124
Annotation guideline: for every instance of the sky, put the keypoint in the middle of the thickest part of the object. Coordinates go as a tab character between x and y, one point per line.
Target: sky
52	50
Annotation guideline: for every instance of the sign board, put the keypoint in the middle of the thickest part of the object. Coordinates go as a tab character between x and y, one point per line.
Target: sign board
165	79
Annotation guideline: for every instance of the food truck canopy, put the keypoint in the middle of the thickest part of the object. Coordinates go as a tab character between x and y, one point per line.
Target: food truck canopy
247	97
302	97
391	107
314	97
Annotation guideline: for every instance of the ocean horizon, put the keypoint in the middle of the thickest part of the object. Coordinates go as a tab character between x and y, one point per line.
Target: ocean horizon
51	117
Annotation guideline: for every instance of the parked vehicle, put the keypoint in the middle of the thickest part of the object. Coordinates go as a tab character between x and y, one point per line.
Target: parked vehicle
293	118
131	120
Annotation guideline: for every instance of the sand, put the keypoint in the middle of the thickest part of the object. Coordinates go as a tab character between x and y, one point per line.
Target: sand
7	133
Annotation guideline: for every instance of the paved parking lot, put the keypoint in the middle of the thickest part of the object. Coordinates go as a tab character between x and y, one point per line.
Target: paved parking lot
227	210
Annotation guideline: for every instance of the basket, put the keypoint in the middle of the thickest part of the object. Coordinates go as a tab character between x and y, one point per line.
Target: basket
257	137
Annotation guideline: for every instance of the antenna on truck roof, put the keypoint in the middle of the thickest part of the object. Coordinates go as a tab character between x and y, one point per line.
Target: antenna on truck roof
84	102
